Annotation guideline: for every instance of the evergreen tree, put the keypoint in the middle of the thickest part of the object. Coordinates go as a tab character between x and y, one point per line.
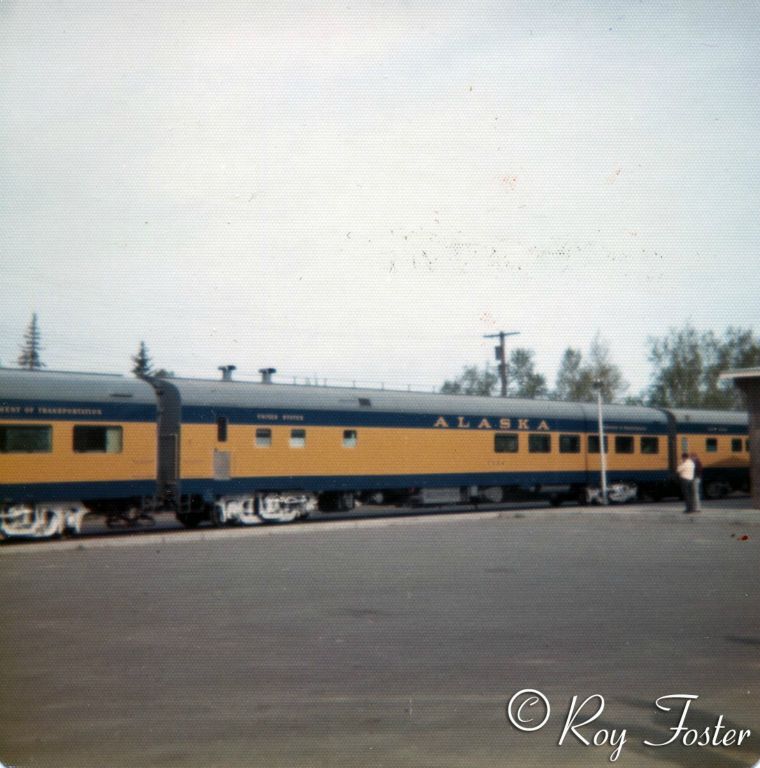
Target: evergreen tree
30	351
143	365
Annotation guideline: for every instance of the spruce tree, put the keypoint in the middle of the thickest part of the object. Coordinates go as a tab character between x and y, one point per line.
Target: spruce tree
142	362
30	351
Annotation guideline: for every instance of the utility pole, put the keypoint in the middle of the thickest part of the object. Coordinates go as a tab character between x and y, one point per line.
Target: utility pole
602	457
501	356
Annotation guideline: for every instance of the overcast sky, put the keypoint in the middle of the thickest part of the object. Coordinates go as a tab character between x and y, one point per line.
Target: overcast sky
362	190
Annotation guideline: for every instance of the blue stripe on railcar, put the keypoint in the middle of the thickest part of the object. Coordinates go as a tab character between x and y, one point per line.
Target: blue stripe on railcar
110	489
711	428
404	420
77	491
239	485
140	412
74	411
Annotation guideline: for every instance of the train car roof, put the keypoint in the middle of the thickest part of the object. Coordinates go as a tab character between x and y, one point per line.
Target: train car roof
16	384
693	416
625	414
242	394
19	384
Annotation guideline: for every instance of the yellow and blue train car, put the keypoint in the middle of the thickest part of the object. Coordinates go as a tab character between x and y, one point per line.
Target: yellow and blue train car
240	440
720	440
71	444
230	451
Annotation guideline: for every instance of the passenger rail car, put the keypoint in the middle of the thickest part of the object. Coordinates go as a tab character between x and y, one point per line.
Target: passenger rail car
721	441
227	451
71	445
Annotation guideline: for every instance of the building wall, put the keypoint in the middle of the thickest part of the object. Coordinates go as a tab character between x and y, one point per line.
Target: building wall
750	387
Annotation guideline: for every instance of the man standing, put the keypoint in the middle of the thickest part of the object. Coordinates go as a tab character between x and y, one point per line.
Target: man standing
685	472
696	483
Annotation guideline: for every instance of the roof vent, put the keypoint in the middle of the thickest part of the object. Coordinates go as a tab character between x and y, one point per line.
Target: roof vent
266	375
227	371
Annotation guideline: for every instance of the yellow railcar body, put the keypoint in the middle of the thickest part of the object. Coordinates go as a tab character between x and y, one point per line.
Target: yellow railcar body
393	451
716	451
62	464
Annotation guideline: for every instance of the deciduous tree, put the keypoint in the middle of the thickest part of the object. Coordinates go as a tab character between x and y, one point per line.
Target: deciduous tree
472	381
576	378
523	379
574	382
604	371
687	365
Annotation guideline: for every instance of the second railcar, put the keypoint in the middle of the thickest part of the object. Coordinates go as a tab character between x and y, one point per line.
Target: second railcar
266	450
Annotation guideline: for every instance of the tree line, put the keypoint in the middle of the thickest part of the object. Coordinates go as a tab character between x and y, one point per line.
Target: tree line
30	356
574	382
686	365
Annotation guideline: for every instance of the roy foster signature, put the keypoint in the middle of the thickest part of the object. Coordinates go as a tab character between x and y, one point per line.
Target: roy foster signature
529	710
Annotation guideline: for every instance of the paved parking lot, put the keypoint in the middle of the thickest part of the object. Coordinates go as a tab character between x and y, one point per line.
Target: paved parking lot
385	642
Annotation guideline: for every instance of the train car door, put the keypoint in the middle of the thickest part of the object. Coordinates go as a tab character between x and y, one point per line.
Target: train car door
168	426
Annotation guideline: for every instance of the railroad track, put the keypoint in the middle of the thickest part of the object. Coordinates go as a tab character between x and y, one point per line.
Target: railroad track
166	524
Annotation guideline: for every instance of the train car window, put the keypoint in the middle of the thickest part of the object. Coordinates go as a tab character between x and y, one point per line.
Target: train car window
650	445
349	438
593	444
736	444
539	443
263	438
505	442
569	443
221	429
98	439
746	445
623	444
297	438
26	438
711	445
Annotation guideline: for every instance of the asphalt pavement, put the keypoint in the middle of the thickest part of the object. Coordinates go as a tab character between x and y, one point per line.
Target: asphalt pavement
390	641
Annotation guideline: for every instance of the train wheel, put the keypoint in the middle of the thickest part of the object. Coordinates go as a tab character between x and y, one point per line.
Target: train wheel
346	502
218	518
621	493
284	508
328	502
189	519
337	501
280	516
493	494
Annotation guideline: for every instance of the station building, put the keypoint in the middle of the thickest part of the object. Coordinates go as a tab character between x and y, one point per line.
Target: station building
748	381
